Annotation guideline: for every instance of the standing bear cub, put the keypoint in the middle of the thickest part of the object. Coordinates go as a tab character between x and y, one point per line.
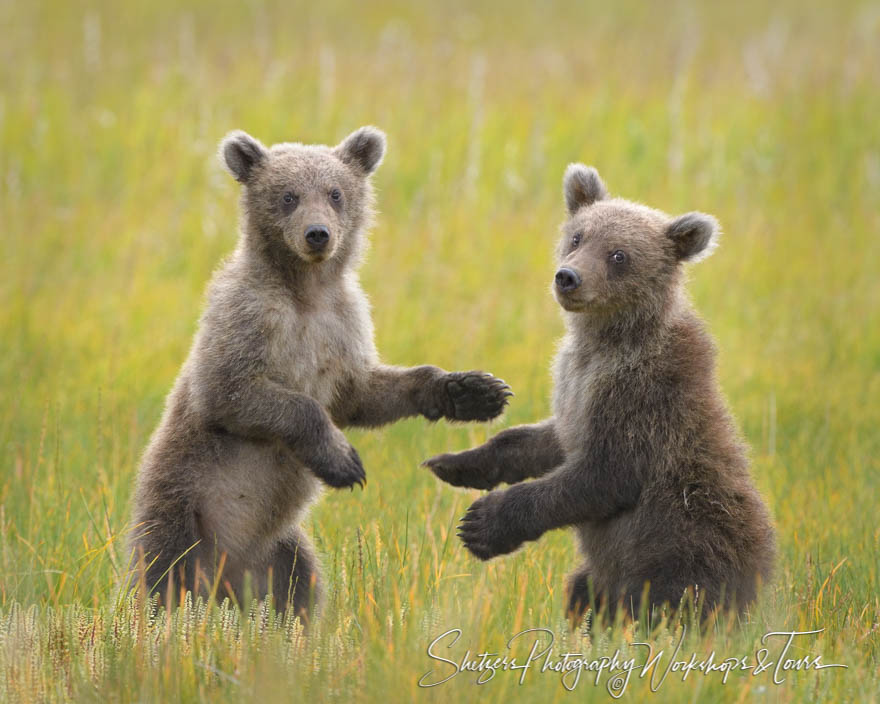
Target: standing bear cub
641	455
283	358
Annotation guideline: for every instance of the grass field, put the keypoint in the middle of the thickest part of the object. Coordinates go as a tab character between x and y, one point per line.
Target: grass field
114	212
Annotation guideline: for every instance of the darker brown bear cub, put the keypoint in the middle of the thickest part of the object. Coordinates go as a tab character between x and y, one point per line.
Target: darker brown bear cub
641	455
283	358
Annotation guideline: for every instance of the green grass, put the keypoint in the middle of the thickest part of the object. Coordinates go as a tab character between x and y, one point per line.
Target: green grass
114	212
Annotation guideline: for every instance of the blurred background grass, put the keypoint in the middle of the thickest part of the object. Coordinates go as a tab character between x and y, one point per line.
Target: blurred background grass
114	212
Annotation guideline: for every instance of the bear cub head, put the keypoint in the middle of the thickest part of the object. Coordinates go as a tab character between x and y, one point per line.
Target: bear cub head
310	199
615	256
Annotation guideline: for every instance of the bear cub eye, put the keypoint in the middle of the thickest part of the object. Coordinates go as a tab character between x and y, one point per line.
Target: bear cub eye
336	195
289	199
618	257
576	240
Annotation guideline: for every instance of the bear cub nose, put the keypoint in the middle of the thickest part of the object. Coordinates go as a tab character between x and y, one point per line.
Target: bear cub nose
317	237
567	280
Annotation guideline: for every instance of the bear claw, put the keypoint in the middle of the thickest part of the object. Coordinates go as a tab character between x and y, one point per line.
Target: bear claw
345	474
474	530
456	470
486	530
476	395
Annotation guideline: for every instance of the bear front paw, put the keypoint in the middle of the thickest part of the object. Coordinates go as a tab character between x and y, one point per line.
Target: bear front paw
484	529
462	469
475	395
340	468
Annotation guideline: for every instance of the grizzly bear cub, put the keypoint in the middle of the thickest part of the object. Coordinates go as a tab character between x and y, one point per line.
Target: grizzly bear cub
641	455
283	358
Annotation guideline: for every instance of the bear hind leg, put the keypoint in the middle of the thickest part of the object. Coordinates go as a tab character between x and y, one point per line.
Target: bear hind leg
296	580
578	597
166	558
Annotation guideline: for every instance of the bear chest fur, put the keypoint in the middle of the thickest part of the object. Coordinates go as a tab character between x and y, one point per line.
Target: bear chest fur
319	349
577	374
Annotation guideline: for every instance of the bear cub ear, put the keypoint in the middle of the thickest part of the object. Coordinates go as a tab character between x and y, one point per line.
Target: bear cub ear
240	153
582	186
363	149
694	235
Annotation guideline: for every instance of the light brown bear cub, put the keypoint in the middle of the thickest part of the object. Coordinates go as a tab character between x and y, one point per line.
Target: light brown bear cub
283	358
641	455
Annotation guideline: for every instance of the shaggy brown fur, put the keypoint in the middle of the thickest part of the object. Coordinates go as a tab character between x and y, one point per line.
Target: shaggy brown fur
641	456
283	358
